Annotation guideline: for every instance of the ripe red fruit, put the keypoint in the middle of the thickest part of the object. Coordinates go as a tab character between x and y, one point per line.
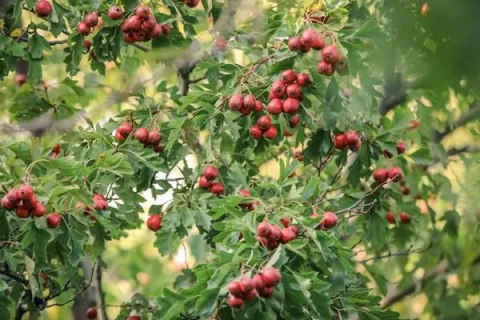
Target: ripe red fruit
211	173
294	90
134	317
247	285
266	292
341	66
275	106
404	218
395	174
294	43
245	111
330	220
285	221
303	79
353	140
264	229
289	76
91	19
271	95
154	222
83	28
39	210
134	23
264	241
294	229
244	192
271	276
125	129
100	205
287	235
309	38
235	302
271	133
99	196
119	137
192	3
340	141
92	313
256	132
258	282
325	68
53	220
235	102
22	212
143	12
425	9
294	121
154	137
6	204
249	101
221	44
330	54
291	106
390	218
43	8
380	175
141	134
128	38
149	23
318	43
275	233
400	147
166	29
217	188
156	32
204	183
258	106
87	44
25	192
13	196
279	89
115	12
20	79
235	288
264	122
250	295
140	35
405	190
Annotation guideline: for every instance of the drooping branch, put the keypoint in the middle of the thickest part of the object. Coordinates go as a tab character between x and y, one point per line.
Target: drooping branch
407	252
472	114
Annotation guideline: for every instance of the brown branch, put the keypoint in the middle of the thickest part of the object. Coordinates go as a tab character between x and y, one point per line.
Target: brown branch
12	275
407	252
359	202
101	294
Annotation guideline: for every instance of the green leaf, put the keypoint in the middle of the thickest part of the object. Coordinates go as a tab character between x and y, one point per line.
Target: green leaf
422	156
37	45
176	126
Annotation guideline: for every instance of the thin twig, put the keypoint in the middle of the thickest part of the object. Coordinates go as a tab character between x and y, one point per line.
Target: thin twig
395	254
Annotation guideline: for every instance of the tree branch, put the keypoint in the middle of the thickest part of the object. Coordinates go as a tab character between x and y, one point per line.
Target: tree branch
12	275
470	115
395	254
396	93
101	294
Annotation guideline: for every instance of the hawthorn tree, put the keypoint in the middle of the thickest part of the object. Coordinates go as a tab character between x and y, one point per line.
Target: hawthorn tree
351	99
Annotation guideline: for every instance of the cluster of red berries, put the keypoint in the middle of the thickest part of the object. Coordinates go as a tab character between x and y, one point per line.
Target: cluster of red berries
330	220
140	27
270	235
154	222
332	60
99	204
263	127
244	105
350	139
90	21
286	93
25	203
151	138
381	175
206	181
56	151
191	3
400	149
43	8
262	284
404	218
250	206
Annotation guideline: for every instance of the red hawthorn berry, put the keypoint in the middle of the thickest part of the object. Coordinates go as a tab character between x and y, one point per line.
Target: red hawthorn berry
404	218
330	220
119	137
149	24
291	106
13	196
279	89
221	44
390	218
294	44
235	102
156	32
325	68
115	12
405	190
20	79
330	54
83	28
235	289
132	24
154	137
235	302
258	106
125	129
204	183
25	192
266	292
264	241
304	79
270	133
294	91
134	317
264	122
211	173
166	29
143	12
87	44
249	102
380	175
289	76
154	222
250	295
141	134
140	35
309	37
258	282
294	121
22	212
340	141
39	210
217	188
54	220
318	43
275	233
246	285
92	313
7	204
285	221
264	229
192	3
91	19
395	174
400	147
275	106
271	276
43	8
256	132
128	38
287	235
353	140
294	229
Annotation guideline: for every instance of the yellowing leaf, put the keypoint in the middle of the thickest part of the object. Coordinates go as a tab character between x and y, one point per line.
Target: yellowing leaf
15	33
